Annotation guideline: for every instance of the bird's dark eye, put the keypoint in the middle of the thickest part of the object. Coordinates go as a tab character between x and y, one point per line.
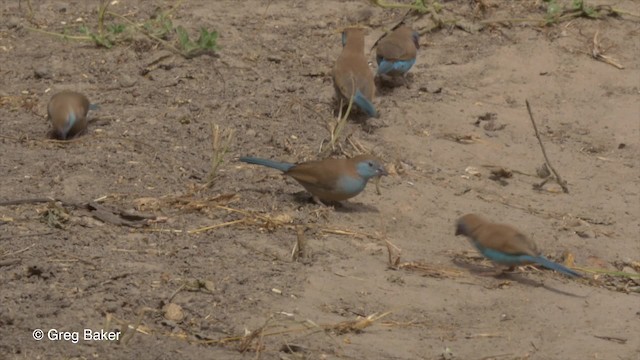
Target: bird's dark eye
370	164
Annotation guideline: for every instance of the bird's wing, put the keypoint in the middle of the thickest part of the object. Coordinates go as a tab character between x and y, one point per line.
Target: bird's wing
396	50
516	242
321	174
351	70
506	239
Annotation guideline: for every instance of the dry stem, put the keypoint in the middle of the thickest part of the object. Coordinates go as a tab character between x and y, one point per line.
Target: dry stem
218	150
562	183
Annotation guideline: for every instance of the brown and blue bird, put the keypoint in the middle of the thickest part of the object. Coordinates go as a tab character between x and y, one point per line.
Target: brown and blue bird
352	76
504	245
329	180
67	111
396	52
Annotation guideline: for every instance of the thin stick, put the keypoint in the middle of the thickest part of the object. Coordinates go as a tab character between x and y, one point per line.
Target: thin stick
64	36
143	311
18	252
562	183
216	226
300	248
24	235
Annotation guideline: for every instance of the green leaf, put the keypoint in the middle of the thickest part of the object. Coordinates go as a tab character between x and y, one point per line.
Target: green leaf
115	28
577	4
183	37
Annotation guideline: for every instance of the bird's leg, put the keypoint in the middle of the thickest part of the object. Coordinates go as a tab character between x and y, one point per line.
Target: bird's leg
496	271
325	204
317	200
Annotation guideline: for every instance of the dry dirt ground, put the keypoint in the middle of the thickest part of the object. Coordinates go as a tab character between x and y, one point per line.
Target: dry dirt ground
235	288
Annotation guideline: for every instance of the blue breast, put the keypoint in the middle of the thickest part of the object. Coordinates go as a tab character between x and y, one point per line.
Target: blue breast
350	185
394	67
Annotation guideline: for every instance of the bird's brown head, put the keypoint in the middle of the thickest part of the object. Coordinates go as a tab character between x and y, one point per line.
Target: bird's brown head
354	36
405	32
468	223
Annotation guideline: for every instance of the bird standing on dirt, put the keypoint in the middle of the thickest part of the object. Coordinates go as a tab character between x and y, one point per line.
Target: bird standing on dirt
503	244
67	111
329	180
351	74
396	52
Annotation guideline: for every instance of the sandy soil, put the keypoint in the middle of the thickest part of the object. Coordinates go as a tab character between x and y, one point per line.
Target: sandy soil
148	151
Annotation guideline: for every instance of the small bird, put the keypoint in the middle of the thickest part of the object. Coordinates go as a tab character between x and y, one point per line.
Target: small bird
67	111
503	244
329	180
396	52
352	75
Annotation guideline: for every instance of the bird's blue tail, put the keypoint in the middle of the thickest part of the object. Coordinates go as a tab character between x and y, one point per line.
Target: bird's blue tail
282	166
364	104
551	265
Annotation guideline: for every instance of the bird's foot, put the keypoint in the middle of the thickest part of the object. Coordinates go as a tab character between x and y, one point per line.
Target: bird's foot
496	271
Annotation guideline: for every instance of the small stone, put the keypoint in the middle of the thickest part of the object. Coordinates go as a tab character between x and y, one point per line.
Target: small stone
126	81
43	73
13	22
173	312
193	107
543	171
209	285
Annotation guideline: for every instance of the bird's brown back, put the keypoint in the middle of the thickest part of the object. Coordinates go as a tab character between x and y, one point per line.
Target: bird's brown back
498	236
321	173
398	45
351	70
61	104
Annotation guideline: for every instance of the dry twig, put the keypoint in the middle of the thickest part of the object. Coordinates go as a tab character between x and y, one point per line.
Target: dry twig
598	53
219	149
562	183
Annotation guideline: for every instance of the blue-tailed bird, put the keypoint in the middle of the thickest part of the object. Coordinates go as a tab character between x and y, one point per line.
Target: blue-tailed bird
396	52
67	111
352	75
329	180
504	245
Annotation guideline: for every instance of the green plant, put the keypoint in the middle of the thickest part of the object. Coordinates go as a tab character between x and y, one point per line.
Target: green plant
418	5
108	37
553	11
206	43
159	26
585	10
578	8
